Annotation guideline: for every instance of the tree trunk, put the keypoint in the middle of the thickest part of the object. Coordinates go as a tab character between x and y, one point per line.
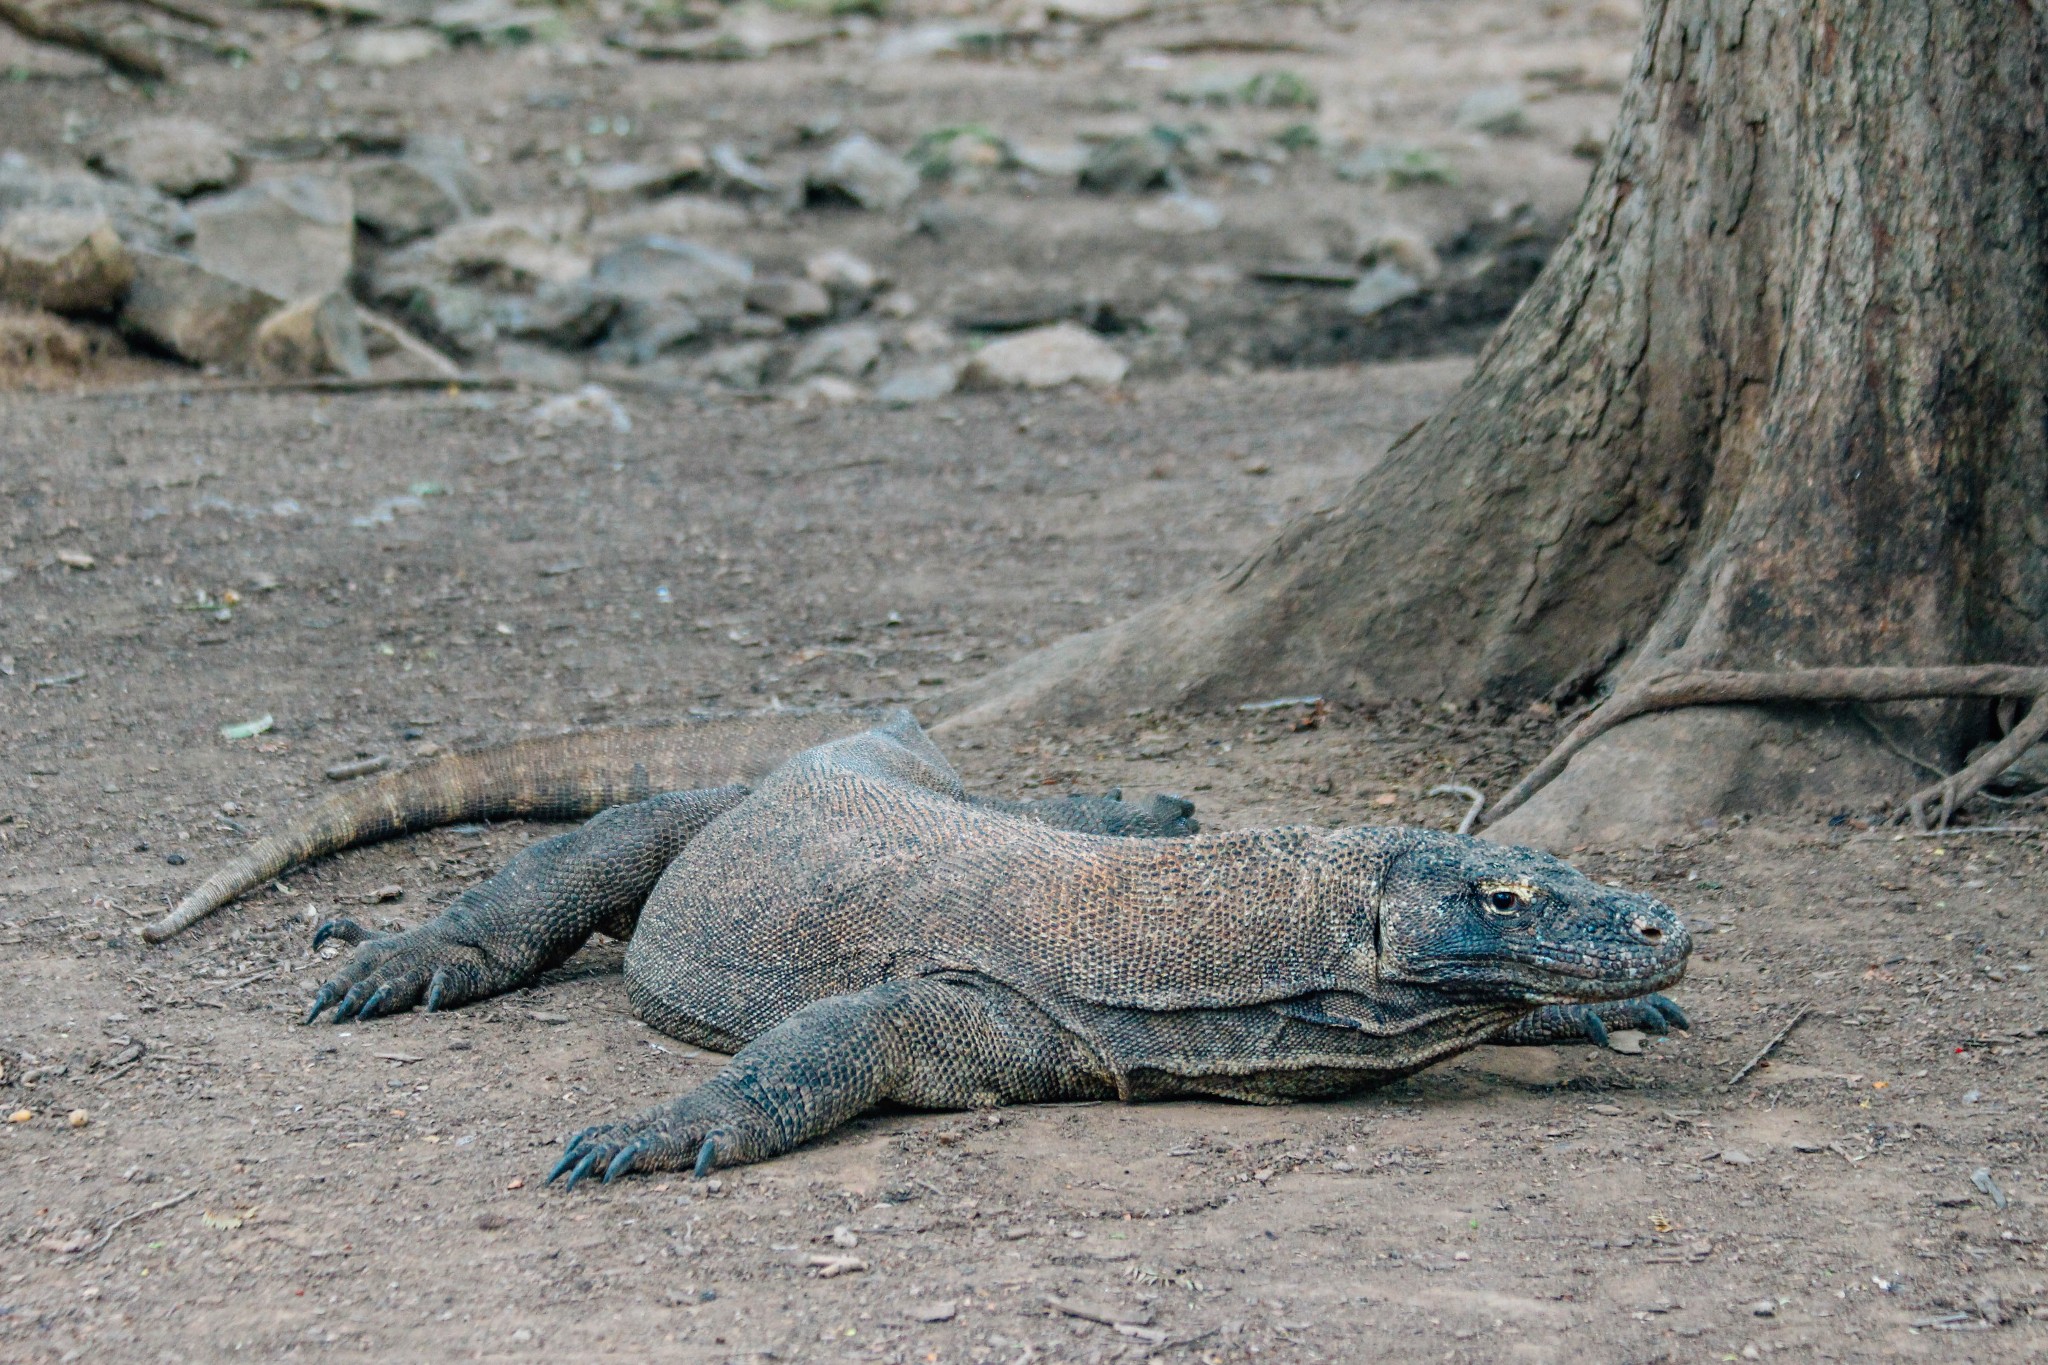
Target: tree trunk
1779	400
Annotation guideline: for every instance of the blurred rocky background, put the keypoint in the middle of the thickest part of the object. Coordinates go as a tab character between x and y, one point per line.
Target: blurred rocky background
815	200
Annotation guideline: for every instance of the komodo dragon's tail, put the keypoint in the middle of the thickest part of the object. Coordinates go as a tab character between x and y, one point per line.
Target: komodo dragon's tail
560	777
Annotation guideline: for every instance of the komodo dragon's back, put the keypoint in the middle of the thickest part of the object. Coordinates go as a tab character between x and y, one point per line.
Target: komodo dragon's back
554	777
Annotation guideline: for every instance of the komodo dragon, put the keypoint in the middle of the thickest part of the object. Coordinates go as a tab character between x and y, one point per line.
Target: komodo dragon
855	930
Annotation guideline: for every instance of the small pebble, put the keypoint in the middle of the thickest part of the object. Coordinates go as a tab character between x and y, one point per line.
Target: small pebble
78	1118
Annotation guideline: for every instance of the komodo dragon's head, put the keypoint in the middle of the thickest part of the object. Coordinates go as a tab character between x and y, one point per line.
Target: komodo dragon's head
1495	922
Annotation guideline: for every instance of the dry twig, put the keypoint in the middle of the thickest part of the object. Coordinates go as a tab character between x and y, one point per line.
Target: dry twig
125	1219
1768	1048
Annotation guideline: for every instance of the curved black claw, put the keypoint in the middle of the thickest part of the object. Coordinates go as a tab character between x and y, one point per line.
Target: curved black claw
583	1167
1596	1028
1668	1012
623	1162
329	993
347	930
707	1157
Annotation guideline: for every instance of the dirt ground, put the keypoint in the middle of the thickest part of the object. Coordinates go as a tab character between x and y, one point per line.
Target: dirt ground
189	1175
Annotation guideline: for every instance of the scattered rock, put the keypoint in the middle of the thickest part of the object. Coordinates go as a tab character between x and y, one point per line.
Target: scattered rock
1764	1308
540	367
289	237
862	170
505	251
77	1118
68	260
919	384
591	405
927	336
1181	214
739	366
941	1311
849	349
677	215
1735	1157
460	317
397	201
1054	161
1379	289
712	283
644	328
842	273
1129	165
141	215
1406	248
195	313
789	298
572	313
179	156
316	335
1499	109
827	389
392	46
737	175
1099	11
619	184
1626	1041
1047	357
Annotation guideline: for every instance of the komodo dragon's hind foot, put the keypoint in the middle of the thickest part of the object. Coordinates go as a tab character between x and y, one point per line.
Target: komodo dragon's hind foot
504	932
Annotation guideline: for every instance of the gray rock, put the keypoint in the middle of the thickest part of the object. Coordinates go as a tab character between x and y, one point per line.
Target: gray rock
1047	357
392	46
678	215
141	215
862	170
180	156
1129	165
789	298
289	237
316	335
842	273
740	366
644	328
1499	109
509	251
194	312
1054	161
68	260
1379	289
619	184
1180	215
460	317
573	313
398	201
712	283
735	174
536	365
824	390
849	350
919	383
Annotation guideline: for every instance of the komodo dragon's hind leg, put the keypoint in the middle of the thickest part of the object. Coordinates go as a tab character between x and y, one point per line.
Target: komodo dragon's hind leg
504	932
1589	1023
928	1043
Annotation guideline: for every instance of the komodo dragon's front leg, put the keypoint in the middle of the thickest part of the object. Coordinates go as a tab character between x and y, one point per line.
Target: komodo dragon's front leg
504	932
942	1042
1555	1024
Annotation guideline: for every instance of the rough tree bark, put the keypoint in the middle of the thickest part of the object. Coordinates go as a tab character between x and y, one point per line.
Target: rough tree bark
1779	400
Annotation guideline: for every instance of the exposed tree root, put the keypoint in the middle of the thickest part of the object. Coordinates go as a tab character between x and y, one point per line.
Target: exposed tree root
1723	687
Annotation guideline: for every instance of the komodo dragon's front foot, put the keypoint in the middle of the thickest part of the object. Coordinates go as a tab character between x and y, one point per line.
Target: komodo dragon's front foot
1555	1024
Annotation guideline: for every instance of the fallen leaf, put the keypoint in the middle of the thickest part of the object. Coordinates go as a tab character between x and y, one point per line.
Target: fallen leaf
225	1221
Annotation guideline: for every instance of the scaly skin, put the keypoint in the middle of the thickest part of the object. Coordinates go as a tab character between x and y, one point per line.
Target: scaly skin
856	930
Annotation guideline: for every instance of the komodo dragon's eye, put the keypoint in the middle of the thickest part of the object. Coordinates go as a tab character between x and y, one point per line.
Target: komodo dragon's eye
1506	900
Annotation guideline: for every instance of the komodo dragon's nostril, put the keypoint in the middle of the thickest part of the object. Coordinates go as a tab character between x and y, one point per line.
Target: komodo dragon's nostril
1648	932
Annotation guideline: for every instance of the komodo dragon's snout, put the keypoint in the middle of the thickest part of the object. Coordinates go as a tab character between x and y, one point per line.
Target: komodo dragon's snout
1510	923
818	895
